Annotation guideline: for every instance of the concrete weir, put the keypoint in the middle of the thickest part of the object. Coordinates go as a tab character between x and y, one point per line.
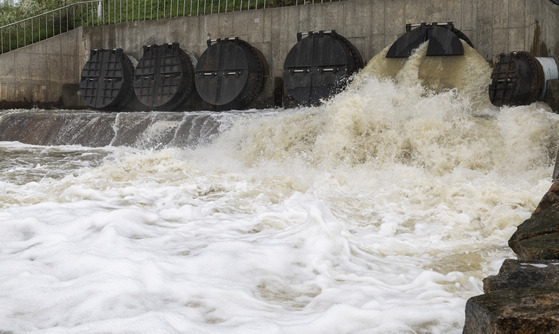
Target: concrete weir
98	129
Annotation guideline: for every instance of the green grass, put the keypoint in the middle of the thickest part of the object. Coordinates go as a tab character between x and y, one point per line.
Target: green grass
114	11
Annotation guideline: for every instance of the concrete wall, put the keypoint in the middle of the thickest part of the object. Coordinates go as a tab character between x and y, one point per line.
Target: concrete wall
40	74
494	26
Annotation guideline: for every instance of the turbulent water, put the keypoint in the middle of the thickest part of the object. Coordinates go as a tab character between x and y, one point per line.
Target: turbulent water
378	212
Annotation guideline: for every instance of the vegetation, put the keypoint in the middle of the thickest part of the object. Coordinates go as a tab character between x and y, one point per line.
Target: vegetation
132	10
27	8
46	18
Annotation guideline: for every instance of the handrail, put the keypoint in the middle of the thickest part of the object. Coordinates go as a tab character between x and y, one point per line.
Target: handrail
50	12
100	12
42	26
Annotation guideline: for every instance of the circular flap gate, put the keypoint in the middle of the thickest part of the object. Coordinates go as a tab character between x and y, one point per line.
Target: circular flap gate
517	79
164	77
318	66
444	40
106	79
229	74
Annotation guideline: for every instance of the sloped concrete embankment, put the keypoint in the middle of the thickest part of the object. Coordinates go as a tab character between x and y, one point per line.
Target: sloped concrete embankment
524	296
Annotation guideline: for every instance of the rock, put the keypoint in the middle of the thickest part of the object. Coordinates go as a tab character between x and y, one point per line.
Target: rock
524	296
523	310
550	198
522	274
543	228
542	247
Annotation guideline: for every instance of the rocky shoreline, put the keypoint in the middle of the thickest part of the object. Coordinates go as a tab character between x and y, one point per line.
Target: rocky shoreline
524	296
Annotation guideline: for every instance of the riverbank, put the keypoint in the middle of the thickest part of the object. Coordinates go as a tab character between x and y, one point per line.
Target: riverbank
524	296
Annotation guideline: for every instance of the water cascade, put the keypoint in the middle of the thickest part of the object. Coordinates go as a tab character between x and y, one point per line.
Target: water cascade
97	129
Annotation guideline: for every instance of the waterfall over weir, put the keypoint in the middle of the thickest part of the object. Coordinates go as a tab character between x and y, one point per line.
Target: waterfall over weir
97	129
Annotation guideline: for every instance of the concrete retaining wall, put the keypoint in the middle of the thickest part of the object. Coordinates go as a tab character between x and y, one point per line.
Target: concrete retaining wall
43	74
49	71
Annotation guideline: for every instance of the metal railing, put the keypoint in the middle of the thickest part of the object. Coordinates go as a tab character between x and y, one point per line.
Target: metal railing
48	24
100	12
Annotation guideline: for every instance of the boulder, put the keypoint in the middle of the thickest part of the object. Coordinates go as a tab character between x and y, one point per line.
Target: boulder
524	296
523	310
541	247
516	274
550	198
537	238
